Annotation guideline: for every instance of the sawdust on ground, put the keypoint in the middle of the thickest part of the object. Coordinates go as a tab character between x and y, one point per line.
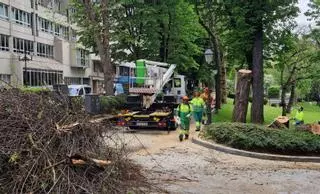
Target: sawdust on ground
184	167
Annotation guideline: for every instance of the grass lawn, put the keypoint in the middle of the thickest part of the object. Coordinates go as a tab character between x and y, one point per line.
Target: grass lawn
311	112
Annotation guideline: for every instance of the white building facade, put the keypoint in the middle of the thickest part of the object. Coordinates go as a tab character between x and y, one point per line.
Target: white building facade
38	46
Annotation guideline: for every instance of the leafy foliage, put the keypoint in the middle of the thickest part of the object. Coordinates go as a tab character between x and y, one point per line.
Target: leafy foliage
92	18
274	92
110	103
315	91
34	90
259	138
163	31
314	11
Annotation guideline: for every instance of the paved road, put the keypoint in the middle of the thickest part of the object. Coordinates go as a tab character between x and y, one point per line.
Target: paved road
184	167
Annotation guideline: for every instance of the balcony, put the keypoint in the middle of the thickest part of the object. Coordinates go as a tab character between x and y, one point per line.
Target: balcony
81	63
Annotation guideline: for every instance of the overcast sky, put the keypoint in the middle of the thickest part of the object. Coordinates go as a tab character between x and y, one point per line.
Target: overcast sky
302	19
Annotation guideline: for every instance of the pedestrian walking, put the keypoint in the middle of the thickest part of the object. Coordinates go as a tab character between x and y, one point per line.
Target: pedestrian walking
184	113
206	96
198	106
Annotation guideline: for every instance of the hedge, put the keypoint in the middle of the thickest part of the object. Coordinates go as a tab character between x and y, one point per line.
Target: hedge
34	90
110	103
262	139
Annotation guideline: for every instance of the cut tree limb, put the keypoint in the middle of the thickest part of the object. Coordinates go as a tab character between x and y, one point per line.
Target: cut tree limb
79	160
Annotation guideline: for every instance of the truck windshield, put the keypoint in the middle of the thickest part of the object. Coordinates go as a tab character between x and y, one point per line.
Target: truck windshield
177	82
124	71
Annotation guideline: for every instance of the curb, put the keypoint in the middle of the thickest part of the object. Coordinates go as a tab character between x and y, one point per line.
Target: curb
228	150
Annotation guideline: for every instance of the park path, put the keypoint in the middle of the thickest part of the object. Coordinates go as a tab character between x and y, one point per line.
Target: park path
184	167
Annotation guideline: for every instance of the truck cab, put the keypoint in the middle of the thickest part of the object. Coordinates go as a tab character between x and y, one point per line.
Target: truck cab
176	86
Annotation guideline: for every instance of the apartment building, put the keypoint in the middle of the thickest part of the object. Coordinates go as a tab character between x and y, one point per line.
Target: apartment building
38	46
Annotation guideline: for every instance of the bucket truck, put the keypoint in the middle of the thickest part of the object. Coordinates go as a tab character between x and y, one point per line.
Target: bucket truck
154	92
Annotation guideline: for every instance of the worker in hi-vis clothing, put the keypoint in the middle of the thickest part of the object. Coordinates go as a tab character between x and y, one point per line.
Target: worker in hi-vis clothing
299	117
198	106
184	113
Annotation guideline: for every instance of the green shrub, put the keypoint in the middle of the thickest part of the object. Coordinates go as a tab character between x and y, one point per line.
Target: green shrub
274	92
230	86
109	103
259	138
34	90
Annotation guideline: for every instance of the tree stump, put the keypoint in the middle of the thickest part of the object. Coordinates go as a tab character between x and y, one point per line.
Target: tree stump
242	96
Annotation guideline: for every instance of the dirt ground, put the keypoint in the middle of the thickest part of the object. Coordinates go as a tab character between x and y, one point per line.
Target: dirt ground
184	167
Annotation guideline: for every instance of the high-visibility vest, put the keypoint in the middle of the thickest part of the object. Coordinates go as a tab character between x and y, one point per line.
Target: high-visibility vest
299	116
198	104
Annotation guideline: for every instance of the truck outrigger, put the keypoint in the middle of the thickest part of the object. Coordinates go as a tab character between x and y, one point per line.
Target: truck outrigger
154	93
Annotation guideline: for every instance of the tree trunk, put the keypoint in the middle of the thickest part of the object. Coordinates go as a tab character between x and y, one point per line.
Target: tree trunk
223	81
103	43
257	77
291	99
242	96
283	100
217	58
102	40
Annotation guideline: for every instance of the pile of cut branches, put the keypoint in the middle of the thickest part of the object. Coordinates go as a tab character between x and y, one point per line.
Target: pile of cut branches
48	147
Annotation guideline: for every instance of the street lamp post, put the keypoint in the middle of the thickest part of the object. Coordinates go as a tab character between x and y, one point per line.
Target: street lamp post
208	54
25	59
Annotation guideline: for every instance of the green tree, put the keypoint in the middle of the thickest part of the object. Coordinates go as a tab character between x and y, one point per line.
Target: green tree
314	11
136	33
315	91
157	30
92	17
250	25
213	22
297	60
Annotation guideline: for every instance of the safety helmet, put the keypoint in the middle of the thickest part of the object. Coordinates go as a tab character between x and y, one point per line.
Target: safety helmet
185	98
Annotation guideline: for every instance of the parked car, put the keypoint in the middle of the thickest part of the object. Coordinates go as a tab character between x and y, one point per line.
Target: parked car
79	90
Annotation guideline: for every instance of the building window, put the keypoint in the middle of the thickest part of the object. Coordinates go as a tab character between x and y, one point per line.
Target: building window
82	57
21	17
46	3
41	77
21	45
72	80
73	35
4	44
44	50
72	10
97	68
4	78
77	80
57	30
4	11
65	32
45	25
61	31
